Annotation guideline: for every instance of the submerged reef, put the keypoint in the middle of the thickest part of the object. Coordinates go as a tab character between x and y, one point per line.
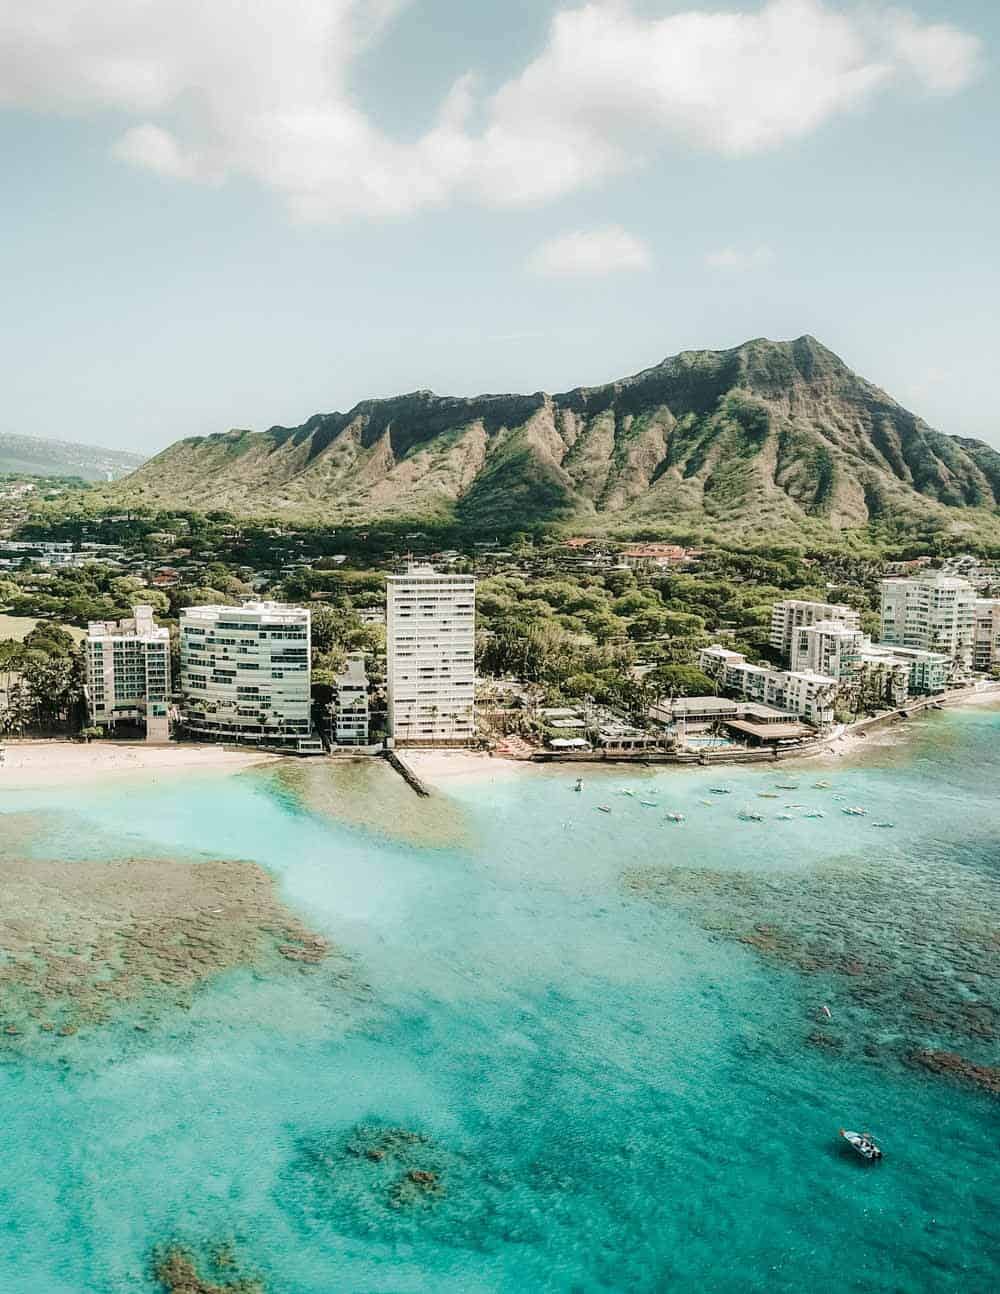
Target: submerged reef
368	794
957	1067
178	1272
391	1183
906	952
80	942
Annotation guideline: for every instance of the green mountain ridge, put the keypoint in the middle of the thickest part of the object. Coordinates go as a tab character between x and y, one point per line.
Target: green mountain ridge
33	456
769	437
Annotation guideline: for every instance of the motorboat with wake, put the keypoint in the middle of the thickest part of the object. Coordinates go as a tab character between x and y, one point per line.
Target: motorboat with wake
863	1143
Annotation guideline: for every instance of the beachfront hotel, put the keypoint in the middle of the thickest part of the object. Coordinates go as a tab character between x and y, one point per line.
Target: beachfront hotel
804	693
246	674
933	612
793	614
431	644
128	673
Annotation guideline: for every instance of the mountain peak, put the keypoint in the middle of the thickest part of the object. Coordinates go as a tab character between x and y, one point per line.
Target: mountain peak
766	438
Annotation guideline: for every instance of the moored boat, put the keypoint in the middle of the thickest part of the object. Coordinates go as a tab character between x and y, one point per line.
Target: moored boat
675	817
855	811
863	1143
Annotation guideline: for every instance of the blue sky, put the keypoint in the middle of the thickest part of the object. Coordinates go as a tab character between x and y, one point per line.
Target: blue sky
238	214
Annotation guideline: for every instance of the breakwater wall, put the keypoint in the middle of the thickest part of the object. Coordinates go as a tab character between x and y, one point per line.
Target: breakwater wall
406	773
936	702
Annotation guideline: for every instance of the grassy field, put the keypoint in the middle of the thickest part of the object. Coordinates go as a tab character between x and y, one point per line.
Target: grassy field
18	627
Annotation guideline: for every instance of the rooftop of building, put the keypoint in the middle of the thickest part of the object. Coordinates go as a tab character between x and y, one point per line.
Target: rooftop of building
424	571
770	731
141	624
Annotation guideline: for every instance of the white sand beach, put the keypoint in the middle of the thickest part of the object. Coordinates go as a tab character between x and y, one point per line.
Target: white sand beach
438	766
32	764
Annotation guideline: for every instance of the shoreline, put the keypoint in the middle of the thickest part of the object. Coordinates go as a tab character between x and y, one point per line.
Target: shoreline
36	765
439	767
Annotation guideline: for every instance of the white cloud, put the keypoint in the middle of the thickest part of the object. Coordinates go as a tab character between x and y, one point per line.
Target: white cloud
942	58
590	253
263	89
157	150
737	259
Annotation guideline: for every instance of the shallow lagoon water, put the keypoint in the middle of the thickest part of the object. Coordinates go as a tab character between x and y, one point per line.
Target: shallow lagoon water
617	1093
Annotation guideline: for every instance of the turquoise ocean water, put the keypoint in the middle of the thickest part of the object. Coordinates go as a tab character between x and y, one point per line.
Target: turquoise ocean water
617	1090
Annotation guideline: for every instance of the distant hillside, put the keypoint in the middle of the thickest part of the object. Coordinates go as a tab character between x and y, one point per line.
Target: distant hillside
36	457
771	437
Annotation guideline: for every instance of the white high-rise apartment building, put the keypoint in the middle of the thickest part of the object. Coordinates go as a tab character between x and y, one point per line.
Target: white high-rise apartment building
246	674
351	720
931	612
794	614
827	647
128	673
431	646
986	642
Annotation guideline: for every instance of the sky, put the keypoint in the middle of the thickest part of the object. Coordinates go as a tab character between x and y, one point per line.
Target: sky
238	213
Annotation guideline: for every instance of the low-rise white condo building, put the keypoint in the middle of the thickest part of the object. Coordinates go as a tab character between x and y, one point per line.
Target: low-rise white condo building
431	646
932	612
246	674
986	640
351	715
805	693
128	673
793	614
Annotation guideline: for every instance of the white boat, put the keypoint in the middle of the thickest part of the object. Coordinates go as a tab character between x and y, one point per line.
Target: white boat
625	791
863	1143
855	811
650	804
720	790
747	814
822	786
675	817
816	813
785	817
